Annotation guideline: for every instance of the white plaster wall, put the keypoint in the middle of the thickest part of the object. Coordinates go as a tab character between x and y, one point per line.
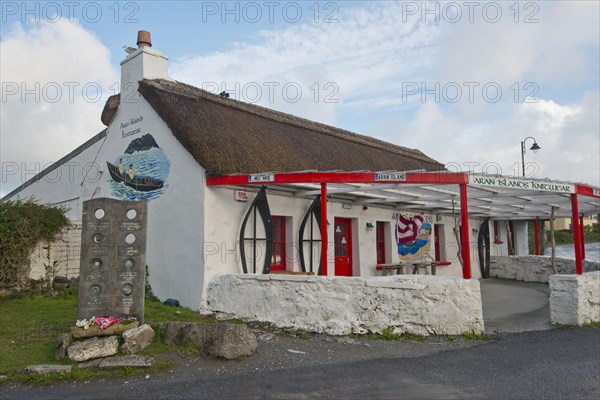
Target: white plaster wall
413	304
451	248
176	218
521	238
224	215
499	249
575	299
534	268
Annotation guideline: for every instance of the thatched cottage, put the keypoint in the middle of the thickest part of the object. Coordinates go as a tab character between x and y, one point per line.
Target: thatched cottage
234	187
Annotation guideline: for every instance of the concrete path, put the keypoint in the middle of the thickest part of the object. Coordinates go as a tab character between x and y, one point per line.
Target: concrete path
513	306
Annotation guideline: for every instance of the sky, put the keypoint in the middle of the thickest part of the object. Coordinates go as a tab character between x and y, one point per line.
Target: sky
464	82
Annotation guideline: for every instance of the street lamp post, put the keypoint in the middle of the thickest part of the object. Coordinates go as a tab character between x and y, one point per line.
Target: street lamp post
534	147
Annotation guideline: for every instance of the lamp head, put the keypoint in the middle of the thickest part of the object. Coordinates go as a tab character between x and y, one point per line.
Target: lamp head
535	147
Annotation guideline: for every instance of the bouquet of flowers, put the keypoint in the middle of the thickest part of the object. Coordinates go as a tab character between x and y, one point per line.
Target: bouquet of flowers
103	322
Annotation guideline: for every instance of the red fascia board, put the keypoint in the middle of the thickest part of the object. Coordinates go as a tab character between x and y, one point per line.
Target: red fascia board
440	178
586	191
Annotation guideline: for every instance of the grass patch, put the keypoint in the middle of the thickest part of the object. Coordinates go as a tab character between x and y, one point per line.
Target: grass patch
594	324
79	374
30	325
476	336
389	334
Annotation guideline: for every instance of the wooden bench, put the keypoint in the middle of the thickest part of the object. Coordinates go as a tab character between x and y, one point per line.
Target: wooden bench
386	268
432	264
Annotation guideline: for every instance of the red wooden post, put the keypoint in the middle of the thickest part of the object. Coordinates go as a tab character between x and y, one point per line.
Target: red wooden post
576	234
537	237
464	239
582	235
324	228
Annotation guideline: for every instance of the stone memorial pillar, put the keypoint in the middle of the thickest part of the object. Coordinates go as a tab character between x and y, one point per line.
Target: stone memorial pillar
113	259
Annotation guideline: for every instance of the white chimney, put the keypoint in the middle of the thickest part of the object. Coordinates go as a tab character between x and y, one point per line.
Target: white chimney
142	63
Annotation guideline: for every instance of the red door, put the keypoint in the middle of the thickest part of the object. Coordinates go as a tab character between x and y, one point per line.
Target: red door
342	235
278	258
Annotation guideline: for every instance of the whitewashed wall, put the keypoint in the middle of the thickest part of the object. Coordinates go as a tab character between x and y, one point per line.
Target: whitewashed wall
534	268
421	305
575	299
176	218
64	251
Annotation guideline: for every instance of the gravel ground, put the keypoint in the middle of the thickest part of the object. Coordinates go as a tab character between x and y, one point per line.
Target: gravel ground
559	363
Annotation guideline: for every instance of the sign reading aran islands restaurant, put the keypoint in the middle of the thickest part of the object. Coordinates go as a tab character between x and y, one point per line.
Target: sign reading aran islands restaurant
502	182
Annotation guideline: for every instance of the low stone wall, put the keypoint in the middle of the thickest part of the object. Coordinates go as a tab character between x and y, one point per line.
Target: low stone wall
534	268
415	304
575	299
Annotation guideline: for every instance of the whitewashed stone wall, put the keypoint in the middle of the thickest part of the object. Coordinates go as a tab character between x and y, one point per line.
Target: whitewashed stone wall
575	299
64	254
420	305
534	268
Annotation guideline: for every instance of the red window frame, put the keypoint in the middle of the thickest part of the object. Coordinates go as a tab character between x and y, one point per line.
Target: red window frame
278	244
380	241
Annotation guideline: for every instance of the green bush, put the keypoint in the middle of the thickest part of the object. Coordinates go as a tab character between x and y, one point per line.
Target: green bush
24	223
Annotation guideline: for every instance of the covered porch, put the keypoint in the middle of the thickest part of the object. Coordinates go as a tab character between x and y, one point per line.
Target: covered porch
440	193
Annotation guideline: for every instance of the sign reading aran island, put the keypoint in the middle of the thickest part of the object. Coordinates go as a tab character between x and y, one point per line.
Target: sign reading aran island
390	176
521	184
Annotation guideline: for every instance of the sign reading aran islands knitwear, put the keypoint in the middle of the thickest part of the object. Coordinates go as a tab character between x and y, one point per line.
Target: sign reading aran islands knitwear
113	259
502	182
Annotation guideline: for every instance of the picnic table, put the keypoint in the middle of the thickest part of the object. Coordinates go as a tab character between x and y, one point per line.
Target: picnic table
433	264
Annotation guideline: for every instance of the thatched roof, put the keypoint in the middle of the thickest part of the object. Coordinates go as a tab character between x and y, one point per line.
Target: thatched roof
227	136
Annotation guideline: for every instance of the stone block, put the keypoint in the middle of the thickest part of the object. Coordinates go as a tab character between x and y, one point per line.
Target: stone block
48	369
575	299
232	341
293	278
93	363
229	341
62	343
93	348
131	361
137	339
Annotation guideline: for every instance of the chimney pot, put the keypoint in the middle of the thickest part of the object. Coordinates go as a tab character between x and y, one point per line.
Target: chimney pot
143	39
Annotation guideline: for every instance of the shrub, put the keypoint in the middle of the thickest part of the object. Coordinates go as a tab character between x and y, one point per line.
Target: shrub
23	223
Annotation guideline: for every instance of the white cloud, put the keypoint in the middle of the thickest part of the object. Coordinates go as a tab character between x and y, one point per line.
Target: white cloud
55	62
369	55
366	55
372	53
568	134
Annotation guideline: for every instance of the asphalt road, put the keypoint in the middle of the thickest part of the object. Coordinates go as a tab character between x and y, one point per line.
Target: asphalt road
552	364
